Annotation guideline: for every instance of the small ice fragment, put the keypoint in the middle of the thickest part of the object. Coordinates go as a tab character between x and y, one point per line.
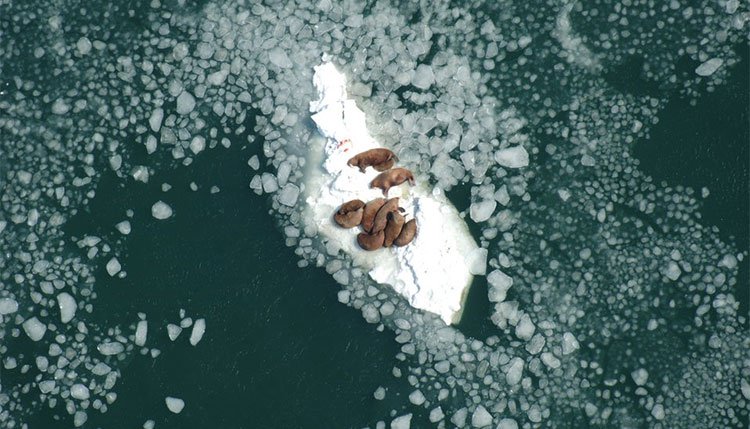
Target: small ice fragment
197	144
113	266
67	305
199	328
478	261
154	121
79	391
289	194
507	423
83	45
110	348
416	397
279	58
173	331
379	393
640	376
512	157
423	77
175	405
709	67
160	210
499	283
149	424
515	371
34	328
185	103
673	271
79	418
658	412
254	162
745	387
123	227
481	417
59	107
525	328
141	331
8	306
436	415
482	210
401	422
569	344
217	77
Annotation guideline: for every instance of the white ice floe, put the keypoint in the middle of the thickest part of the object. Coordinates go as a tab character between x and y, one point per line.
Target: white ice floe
67	305
434	271
199	328
174	405
34	328
161	210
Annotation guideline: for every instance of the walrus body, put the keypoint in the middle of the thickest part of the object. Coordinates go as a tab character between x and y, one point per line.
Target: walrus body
370	210
381	218
407	233
394	177
350	213
380	159
370	241
393	227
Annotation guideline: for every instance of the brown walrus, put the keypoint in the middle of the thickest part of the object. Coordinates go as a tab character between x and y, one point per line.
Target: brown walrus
350	213
370	241
393	227
381	218
371	209
380	159
407	233
390	178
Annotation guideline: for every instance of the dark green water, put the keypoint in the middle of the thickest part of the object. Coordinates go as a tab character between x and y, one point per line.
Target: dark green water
279	350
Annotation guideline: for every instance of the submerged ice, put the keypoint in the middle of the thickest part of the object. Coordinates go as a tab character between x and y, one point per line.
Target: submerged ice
596	274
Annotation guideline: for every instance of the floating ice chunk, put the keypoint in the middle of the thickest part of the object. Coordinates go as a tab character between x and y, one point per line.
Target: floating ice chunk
481	417
288	194
59	107
525	328
640	376
8	306
197	144
401	422
482	210
160	210
512	157
140	173
79	418
379	393
83	45
709	67
436	415
123	227
113	266
199	328
477	261
459	417
46	386
218	77
514	371
154	121
416	397
658	412
254	162
67	305
174	405
269	183
173	331
185	103
34	328
79	391
141	331
279	58
507	423
550	360
569	343
499	283
101	368
110	348
745	387
672	271
423	77
149	424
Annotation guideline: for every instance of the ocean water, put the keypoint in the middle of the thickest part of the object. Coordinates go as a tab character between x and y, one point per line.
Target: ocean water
626	236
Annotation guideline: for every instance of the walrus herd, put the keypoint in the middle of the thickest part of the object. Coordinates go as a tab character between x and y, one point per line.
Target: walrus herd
381	219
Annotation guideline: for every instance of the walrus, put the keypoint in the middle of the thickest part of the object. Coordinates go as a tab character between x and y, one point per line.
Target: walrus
370	241
380	159
381	218
350	213
407	233
390	178
393	227
371	209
